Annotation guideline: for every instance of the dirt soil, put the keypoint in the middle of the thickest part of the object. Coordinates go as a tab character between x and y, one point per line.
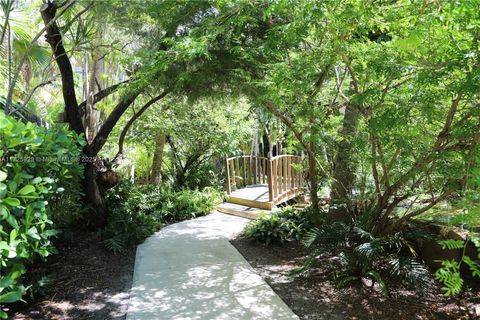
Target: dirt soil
85	282
314	295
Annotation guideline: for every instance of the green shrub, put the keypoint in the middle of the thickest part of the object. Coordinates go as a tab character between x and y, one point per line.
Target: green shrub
282	225
362	254
37	166
137	212
450	274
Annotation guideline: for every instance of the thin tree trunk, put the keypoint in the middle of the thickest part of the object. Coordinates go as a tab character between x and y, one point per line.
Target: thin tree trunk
90	114
312	172
158	158
344	171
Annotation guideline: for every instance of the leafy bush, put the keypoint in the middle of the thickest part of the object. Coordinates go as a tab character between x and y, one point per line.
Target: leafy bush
364	255
450	273
37	165
137	212
283	225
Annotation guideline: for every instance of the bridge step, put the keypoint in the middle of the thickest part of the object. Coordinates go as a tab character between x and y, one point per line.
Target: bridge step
239	210
250	203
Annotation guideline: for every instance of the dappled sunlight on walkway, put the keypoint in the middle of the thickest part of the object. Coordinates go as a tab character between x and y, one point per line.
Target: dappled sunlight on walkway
189	270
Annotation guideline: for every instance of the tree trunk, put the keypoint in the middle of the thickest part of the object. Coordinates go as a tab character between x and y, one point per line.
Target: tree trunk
93	191
344	170
158	158
54	38
94	197
312	173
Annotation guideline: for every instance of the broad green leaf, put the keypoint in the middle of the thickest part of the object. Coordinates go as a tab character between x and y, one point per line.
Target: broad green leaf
5	281
4	245
33	232
10	297
12	221
37	180
13	202
4	212
17	271
3	190
26	190
3	176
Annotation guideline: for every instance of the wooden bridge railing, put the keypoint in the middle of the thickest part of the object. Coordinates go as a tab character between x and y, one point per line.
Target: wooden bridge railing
282	174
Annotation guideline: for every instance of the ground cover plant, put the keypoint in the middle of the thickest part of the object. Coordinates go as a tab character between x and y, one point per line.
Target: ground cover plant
280	226
139	211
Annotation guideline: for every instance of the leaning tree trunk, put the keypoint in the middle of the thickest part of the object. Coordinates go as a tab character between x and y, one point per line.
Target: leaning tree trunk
158	158
344	170
93	192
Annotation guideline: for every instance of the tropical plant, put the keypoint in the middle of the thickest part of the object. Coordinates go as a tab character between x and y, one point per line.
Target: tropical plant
282	225
137	212
37	166
450	272
363	255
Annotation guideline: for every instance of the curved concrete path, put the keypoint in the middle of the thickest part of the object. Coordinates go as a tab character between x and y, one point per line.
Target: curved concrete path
189	270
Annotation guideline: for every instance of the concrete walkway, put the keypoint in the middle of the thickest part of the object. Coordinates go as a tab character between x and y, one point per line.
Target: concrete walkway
189	270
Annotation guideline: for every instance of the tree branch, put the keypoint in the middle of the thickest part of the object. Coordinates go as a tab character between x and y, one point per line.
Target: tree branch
352	74
112	119
288	122
102	94
30	95
442	136
137	115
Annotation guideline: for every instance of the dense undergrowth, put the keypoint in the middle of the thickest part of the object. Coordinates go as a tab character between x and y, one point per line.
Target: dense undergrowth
384	259
39	173
40	198
139	211
283	225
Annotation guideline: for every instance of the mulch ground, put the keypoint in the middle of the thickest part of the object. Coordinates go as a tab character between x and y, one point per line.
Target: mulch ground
314	295
85	281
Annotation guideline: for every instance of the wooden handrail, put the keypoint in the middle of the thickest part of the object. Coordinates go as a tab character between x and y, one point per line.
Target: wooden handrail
279	173
285	156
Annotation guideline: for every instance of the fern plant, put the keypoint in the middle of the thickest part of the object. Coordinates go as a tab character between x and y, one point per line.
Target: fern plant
283	225
364	251
449	274
362	254
114	244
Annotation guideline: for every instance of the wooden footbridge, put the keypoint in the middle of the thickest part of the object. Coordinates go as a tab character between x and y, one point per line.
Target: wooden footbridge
256	182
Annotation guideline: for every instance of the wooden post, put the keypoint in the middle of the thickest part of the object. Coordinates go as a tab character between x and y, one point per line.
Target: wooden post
237	170
244	170
292	174
280	175
264	171
255	171
285	174
250	178
275	178
232	173
227	173
269	178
